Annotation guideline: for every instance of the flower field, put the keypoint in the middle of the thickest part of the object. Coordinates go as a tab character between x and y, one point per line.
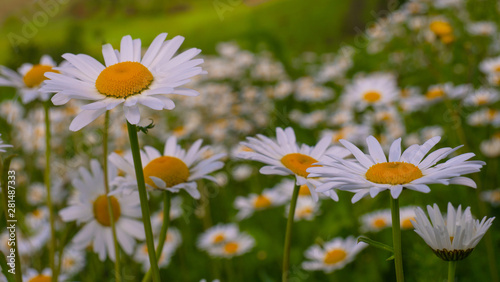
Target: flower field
168	158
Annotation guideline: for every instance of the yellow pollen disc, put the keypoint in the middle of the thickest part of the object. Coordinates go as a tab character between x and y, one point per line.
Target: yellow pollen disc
219	238
231	247
37	213
123	80
261	202
68	262
41	278
406	223
298	163
335	256
451	239
393	173
491	114
101	213
36	75
441	28
497	68
481	101
434	94
171	170
304	212
372	96
379	223
304	190
447	39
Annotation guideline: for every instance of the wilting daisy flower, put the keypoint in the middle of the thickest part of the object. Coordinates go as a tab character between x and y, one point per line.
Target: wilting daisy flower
284	156
412	169
126	78
29	79
226	241
90	207
333	255
32	275
376	221
173	170
173	240
492	197
2	145
246	206
451	237
373	90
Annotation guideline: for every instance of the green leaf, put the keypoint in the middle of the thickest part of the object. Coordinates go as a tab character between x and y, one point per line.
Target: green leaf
375	244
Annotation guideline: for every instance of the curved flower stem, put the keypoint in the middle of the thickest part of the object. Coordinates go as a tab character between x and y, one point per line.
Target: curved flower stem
288	236
396	238
52	245
163	232
143	196
452	265
106	188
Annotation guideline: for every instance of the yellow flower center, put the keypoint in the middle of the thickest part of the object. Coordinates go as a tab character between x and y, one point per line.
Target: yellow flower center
171	170
41	278
231	247
441	28
334	256
261	202
497	68
379	223
406	223
451	239
495	196
304	212
298	163
393	173
123	80
304	190
69	262
434	94
101	212
36	75
219	238
37	213
372	96
446	39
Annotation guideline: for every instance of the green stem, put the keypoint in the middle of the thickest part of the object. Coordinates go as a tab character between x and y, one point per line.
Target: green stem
163	232
396	238
52	245
106	188
288	236
452	265
143	196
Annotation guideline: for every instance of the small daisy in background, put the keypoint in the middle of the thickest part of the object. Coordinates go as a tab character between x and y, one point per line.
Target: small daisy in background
172	171
225	241
269	198
332	255
32	275
29	78
306	209
406	215
372	90
127	78
173	240
376	221
454	236
492	197
72	261
2	145
413	169
90	206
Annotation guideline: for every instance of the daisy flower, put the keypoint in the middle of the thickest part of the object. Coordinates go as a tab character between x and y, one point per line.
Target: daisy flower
481	97
406	215
492	197
451	237
376	221
490	66
173	170
226	241
306	209
126	78
72	261
412	169
246	206
2	145
90	207
33	275
284	156
29	78
333	255
372	90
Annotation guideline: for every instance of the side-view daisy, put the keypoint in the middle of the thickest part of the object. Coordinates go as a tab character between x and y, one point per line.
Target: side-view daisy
29	78
284	156
226	241
451	237
126	78
412	169
90	207
333	255
173	170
